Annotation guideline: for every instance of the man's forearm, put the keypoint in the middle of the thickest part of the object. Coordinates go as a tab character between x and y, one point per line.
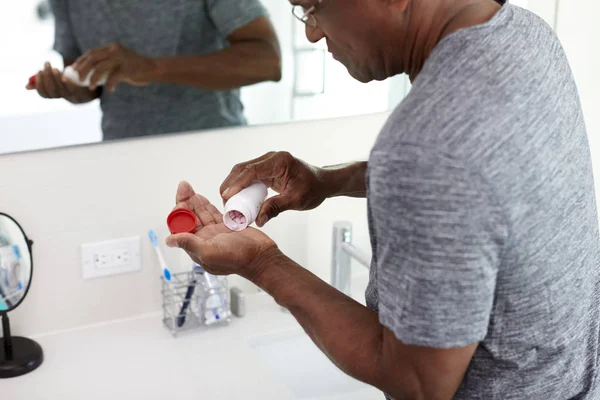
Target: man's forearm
242	64
345	179
346	331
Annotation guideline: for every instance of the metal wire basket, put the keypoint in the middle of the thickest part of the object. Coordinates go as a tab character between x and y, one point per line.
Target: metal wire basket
194	299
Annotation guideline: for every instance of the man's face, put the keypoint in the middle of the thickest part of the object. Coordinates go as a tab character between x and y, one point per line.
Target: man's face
344	24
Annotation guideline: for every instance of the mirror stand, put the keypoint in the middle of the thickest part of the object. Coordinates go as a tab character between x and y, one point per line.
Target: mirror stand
18	355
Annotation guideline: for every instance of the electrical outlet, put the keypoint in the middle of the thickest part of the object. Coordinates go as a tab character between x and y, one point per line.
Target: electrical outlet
111	257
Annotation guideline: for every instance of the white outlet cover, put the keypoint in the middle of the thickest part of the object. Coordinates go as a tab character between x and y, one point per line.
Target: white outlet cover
107	258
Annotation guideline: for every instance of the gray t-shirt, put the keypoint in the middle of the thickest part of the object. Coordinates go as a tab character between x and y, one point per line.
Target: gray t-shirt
157	28
483	218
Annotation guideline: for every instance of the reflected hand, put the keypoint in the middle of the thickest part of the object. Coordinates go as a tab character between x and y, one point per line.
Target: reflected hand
116	62
299	184
219	250
50	85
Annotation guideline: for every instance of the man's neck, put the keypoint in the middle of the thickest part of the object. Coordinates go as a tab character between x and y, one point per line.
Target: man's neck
429	32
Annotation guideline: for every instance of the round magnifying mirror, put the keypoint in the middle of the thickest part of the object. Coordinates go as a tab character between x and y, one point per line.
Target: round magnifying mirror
18	355
15	264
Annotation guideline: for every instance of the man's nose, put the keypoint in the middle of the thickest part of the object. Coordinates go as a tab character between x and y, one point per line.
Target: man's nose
314	34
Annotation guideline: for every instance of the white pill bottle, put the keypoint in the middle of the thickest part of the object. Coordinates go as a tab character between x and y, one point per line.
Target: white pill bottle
242	209
73	76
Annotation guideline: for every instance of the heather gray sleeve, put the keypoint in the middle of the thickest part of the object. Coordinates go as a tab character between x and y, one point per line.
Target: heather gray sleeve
439	238
230	15
64	39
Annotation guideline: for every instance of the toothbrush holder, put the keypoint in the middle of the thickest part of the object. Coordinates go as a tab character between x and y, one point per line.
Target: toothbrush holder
194	299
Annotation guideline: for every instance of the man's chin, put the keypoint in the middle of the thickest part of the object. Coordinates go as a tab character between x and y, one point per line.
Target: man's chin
356	73
360	76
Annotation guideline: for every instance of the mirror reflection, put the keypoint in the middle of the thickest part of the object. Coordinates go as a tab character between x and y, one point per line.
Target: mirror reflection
87	71
15	263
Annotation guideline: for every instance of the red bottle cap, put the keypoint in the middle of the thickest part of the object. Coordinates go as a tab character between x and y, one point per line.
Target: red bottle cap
181	221
32	80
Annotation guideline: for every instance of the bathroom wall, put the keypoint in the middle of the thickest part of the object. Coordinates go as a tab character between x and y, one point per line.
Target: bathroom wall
70	196
578	28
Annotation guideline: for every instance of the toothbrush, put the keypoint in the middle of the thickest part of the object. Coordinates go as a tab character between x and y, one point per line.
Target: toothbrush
163	265
188	295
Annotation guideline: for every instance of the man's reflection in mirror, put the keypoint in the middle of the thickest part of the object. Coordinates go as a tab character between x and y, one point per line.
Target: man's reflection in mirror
171	65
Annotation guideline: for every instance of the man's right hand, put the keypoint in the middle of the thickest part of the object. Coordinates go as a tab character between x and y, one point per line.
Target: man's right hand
300	186
49	84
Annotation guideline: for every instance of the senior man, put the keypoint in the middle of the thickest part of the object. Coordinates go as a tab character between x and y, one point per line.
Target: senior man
485	273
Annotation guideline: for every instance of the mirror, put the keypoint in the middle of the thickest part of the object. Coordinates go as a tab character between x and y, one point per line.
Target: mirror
18	355
15	263
312	85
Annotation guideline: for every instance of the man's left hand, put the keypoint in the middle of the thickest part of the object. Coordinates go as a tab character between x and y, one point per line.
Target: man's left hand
219	250
118	63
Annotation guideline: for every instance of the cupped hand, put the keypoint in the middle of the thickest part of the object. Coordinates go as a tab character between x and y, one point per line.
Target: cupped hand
50	85
118	63
214	246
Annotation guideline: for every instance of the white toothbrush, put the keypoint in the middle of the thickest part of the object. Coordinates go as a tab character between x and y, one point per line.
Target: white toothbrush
163	265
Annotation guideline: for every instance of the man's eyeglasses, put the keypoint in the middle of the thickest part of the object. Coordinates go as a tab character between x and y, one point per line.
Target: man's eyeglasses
306	14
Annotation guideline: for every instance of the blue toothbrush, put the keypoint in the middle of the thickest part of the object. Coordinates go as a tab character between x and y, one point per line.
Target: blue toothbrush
163	265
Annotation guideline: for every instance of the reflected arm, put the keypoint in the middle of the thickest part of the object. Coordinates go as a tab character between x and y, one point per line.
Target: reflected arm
252	57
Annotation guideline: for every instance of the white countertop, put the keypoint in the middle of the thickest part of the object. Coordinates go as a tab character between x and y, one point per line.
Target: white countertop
138	358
